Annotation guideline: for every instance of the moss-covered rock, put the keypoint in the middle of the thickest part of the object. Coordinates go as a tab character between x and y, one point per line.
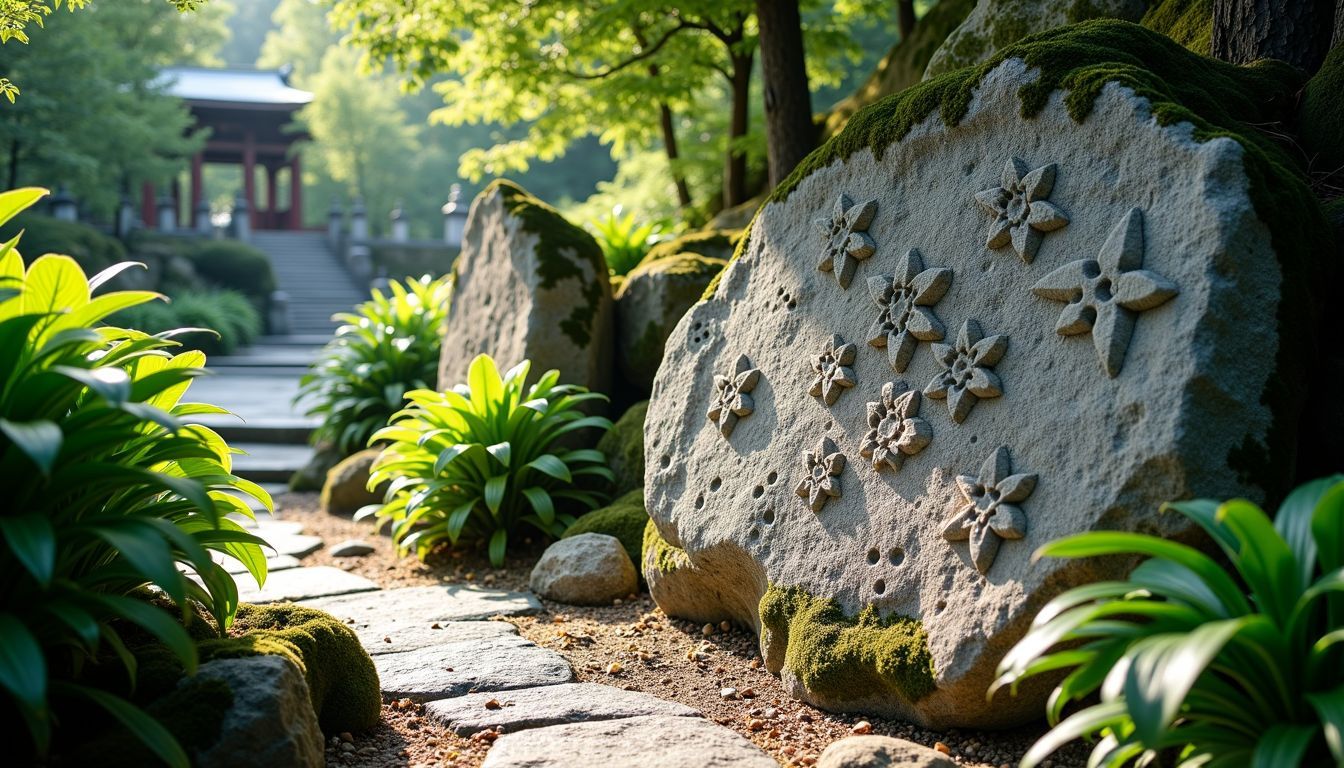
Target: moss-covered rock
341	677
346	489
904	64
714	243
837	657
532	286
651	302
1188	22
1320	118
678	587
996	24
623	445
624	519
659	556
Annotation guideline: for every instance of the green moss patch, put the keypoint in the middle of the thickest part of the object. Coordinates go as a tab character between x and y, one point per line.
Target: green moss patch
562	249
1320	119
662	556
1188	22
623	445
843	657
341	677
624	518
717	243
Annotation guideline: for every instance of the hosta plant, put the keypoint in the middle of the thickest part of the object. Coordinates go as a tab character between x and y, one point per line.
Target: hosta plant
1188	664
623	240
386	347
108	489
478	462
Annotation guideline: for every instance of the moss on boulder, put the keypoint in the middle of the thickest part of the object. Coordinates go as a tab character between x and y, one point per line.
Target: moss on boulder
341	677
714	243
624	519
623	445
658	555
651	302
844	657
346	489
1188	22
1320	121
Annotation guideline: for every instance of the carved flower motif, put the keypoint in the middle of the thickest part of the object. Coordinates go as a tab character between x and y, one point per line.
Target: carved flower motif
990	512
966	377
845	238
1021	211
731	401
1106	294
823	466
904	299
895	429
832	368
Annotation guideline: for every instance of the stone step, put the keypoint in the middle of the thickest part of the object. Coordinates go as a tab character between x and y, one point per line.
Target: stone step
251	395
294	339
545	706
657	741
301	583
458	668
270	463
284	431
406	616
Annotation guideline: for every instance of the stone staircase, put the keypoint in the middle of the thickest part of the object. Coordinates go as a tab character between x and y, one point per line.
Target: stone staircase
316	282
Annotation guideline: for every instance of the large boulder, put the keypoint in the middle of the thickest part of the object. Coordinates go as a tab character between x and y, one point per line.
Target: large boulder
530	286
989	314
269	723
588	569
654	297
996	24
346	489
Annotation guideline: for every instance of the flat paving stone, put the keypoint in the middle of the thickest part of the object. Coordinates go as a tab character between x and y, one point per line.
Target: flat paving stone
457	669
657	741
451	602
294	545
546	706
266	525
301	583
411	635
273	564
249	396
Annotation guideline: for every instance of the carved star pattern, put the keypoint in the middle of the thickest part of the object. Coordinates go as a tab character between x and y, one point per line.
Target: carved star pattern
845	238
731	401
1104	295
823	467
1021	210
989	512
966	376
905	316
832	366
895	429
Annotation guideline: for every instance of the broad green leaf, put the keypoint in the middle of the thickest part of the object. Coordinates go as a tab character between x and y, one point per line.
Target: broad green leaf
112	384
1327	527
551	465
1293	521
499	541
143	727
15	201
541	504
55	284
32	540
1283	744
1329	706
1083	723
484	382
494	493
97	280
40	441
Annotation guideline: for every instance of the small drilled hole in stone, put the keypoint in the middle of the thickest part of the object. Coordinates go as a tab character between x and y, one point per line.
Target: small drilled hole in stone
1090	315
665	462
779	291
700	501
880	586
771	478
941	606
973	439
793	305
828	425
757	492
715	484
768	516
874	556
896	556
754	534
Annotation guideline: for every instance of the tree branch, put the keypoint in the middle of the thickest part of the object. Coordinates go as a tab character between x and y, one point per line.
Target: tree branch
641	56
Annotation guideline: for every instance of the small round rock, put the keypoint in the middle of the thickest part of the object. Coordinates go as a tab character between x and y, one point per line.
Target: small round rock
588	569
880	752
351	548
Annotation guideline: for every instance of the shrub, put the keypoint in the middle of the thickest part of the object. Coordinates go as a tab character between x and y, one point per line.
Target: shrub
91	249
234	265
477	461
1193	663
623	241
623	445
108	489
229	320
388	346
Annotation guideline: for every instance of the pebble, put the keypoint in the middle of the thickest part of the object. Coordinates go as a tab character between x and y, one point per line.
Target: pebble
941	747
728	693
707	630
614	668
351	548
725	625
861	727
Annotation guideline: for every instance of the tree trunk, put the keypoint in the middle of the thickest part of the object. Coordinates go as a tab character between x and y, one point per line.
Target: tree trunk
790	133
905	17
1295	31
735	161
13	165
670	145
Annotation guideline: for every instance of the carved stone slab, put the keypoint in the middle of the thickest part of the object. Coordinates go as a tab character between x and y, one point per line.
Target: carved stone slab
1160	268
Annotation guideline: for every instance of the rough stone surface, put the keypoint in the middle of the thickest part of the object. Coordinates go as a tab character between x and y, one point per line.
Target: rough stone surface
393	608
351	548
1073	376
549	705
301	584
273	564
270	723
456	669
294	545
588	569
654	297
532	286
346	488
995	24
648	742
881	752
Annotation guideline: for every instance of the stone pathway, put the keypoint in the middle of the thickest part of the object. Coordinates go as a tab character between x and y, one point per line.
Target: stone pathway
437	645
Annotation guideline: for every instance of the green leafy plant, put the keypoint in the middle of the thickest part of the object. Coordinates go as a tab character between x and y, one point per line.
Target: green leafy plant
477	461
624	241
384	348
109	489
1195	666
229	319
236	266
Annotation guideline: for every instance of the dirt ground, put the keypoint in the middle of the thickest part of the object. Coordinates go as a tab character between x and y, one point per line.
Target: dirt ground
633	645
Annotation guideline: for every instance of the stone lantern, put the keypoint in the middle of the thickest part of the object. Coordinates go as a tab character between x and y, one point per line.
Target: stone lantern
401	228
63	205
454	218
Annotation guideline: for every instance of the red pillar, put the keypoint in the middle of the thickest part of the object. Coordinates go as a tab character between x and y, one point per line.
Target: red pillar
250	177
147	213
197	187
295	194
